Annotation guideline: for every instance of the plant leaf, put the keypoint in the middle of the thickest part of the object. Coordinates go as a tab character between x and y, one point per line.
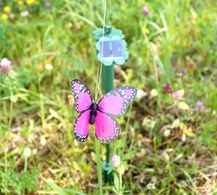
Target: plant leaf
183	106
55	187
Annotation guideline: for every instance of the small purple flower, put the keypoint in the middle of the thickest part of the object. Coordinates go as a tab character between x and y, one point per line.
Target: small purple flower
48	5
115	160
145	11
5	66
182	72
199	106
167	89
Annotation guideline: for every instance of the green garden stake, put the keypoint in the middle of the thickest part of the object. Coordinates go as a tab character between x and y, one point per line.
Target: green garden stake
111	49
108	85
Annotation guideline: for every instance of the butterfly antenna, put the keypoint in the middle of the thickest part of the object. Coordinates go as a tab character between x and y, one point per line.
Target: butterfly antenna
103	33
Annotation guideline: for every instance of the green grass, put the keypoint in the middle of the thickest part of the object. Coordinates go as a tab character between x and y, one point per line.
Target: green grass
35	112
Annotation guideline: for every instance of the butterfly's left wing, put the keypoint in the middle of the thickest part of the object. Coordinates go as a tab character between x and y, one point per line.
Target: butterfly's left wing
107	128
117	101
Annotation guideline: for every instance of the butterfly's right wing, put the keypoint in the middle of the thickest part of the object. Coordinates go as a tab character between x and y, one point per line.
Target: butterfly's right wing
107	128
82	96
81	126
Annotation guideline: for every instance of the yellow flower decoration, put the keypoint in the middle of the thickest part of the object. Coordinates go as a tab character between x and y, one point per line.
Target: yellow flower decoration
4	16
30	2
6	9
20	2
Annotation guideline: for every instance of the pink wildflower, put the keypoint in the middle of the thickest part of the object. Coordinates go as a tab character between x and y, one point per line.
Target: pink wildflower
145	11
48	5
5	66
176	95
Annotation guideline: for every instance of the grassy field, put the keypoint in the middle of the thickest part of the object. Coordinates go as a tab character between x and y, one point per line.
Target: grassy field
171	127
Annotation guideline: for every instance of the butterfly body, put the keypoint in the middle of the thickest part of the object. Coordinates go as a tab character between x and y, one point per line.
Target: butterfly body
93	113
101	114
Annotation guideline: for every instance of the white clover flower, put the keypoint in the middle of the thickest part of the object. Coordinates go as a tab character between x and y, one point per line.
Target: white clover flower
48	67
115	160
24	13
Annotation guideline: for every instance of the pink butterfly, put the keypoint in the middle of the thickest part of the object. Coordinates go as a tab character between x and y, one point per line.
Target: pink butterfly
113	103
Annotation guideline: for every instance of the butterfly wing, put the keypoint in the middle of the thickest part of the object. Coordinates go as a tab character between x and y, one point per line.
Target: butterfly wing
82	96
107	128
83	101
81	126
117	101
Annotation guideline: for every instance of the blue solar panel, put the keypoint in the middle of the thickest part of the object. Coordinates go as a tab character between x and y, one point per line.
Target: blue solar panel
111	50
117	49
105	49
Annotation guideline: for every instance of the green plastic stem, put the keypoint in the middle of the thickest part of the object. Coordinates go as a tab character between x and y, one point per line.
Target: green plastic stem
108	85
107	77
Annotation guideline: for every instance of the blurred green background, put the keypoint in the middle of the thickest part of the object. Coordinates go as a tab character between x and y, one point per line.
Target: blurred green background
171	141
